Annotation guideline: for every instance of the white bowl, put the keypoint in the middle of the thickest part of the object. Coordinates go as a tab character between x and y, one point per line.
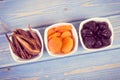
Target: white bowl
18	59
75	36
97	20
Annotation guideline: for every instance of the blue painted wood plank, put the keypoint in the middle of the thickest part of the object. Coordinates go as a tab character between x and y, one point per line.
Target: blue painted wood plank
90	66
57	11
100	65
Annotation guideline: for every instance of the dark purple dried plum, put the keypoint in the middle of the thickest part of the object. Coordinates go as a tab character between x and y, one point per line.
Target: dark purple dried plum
96	34
86	32
90	25
96	29
106	42
103	25
99	34
89	42
98	44
97	37
106	33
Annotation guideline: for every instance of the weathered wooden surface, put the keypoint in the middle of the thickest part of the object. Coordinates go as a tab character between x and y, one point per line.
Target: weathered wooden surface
83	65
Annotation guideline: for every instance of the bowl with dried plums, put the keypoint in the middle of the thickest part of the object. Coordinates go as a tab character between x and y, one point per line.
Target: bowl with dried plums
61	39
96	34
26	45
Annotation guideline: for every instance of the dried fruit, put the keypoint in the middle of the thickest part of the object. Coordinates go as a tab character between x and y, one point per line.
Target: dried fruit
63	28
67	44
51	31
96	34
56	34
66	34
11	44
90	25
98	44
89	41
86	32
55	45
25	44
60	39
106	33
106	42
103	25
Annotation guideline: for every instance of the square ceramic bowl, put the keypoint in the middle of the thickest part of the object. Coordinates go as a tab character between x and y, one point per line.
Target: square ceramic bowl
74	34
96	20
18	59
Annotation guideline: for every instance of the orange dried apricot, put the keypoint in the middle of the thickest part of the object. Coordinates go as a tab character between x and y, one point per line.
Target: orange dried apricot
56	34
63	28
55	44
67	44
51	31
66	34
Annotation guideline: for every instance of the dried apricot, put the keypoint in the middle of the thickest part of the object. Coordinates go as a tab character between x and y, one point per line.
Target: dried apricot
67	44
63	28
56	34
55	44
66	34
51	31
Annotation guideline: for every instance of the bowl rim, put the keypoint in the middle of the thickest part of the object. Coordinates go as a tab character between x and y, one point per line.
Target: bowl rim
75	39
97	19
18	59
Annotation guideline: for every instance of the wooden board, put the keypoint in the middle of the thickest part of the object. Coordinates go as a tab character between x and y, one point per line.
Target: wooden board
82	65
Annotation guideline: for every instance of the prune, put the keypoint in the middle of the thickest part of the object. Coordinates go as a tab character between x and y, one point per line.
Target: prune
96	29
90	25
106	42
103	25
99	34
89	42
106	33
98	44
96	34
86	32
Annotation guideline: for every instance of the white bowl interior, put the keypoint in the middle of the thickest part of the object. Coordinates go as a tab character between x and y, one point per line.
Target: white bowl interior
97	20
18	59
75	36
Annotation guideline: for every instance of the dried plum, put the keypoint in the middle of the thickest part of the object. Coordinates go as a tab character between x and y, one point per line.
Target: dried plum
106	33
96	28
99	33
98	44
89	42
106	42
90	25
96	34
103	25
86	32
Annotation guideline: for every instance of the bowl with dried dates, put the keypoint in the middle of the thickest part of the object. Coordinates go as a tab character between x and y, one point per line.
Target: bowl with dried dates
26	45
96	33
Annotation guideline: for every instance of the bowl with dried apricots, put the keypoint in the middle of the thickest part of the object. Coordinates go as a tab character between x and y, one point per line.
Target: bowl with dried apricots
61	39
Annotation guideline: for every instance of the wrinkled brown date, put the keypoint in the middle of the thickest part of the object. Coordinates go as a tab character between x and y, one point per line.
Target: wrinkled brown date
96	34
